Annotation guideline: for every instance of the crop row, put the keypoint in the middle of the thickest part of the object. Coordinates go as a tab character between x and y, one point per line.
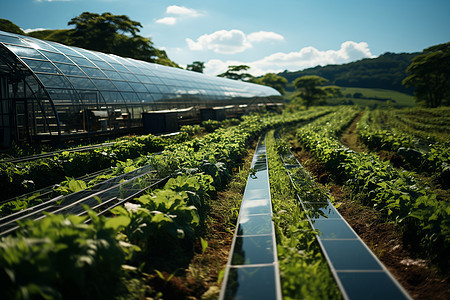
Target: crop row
304	271
432	157
61	256
425	219
16	179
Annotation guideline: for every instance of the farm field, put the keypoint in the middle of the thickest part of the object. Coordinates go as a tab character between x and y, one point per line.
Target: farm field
368	98
172	241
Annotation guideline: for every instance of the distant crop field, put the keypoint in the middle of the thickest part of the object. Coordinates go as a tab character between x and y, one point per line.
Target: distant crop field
368	97
378	97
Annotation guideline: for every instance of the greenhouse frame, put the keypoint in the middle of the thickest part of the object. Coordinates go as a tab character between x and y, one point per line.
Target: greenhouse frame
49	90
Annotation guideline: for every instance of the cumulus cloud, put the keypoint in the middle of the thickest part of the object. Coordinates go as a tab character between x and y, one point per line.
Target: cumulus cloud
222	41
304	58
178	13
264	35
182	11
33	29
231	41
167	21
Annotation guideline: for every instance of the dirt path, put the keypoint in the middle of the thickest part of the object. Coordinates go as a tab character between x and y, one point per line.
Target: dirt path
350	138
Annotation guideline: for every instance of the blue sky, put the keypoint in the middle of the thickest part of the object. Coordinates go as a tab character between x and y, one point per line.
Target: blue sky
270	36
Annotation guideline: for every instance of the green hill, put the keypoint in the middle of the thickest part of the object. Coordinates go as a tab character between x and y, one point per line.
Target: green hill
384	72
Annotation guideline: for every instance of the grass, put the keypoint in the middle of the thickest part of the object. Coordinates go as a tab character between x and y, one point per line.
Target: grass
371	97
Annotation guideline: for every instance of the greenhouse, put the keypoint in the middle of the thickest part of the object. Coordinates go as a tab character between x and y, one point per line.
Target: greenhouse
49	90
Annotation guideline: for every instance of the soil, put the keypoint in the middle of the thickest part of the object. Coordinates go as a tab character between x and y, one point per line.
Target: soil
384	238
350	139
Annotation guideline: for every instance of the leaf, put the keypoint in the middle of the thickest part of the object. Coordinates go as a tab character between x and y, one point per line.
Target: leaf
117	222
76	185
204	244
220	276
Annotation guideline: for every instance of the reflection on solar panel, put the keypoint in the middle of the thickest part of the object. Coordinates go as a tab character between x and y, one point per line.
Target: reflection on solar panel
358	272
252	269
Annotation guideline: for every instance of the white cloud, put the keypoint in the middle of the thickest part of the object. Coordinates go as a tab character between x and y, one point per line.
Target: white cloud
182	11
305	58
230	41
33	29
178	13
167	21
222	41
264	35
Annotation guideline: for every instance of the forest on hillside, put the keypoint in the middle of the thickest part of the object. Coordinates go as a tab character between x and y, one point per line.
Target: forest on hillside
384	72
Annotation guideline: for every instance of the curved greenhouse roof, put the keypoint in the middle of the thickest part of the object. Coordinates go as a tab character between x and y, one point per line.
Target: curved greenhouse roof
55	87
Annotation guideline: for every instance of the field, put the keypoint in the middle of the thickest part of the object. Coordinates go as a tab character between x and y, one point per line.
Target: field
399	99
369	98
386	171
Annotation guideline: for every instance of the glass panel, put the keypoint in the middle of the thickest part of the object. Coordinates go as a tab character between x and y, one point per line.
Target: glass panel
81	83
322	211
102	65
10	39
138	87
157	96
41	66
112	97
255	207
81	61
333	229
122	86
54	81
143	79
253	250
87	53
93	72
152	88
63	94
251	283
156	79
350	255
255	224
104	84
25	52
66	50
250	194
112	74
130	97
56	57
120	68
147	97
70	69
370	285
164	89
129	77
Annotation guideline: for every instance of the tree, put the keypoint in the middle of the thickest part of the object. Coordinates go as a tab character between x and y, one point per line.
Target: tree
429	73
8	26
333	91
115	34
309	88
196	66
272	80
235	72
